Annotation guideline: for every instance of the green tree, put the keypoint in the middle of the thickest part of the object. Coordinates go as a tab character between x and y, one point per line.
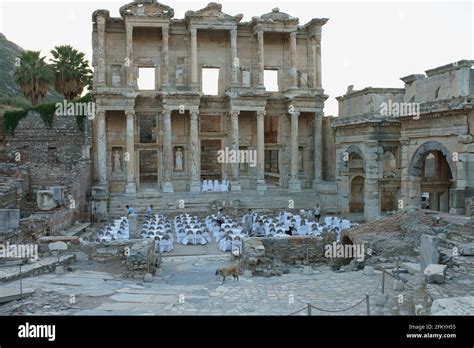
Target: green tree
33	75
71	71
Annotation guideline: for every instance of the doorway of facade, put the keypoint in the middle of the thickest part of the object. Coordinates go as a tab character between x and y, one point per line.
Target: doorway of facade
356	201
211	169
148	167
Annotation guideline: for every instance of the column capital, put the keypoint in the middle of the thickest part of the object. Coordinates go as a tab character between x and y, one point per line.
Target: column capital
292	35
234	113
100	20
130	113
165	29
233	32
166	113
261	114
193	31
194	114
295	113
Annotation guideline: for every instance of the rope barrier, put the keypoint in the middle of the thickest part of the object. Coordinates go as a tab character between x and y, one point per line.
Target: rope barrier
339	310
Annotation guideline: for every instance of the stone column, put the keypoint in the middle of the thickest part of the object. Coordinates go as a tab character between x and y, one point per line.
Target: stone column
261	185
294	183
371	180
131	186
194	63
235	184
233	51
129	58
195	153
318	148
167	152
317	76
101	148
101	69
165	71
293	72
261	59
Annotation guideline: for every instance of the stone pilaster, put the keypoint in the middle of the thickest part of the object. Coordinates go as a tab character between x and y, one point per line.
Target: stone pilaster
167	152
129	57
261	185
233	51
261	59
293	67
294	183
195	153
235	184
165	71
101	149
318	148
101	68
131	186
317	60
194	63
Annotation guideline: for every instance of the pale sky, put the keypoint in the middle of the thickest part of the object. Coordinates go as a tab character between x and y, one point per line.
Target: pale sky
364	43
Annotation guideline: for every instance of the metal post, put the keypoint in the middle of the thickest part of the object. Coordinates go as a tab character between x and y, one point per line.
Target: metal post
368	304
383	281
21	285
309	309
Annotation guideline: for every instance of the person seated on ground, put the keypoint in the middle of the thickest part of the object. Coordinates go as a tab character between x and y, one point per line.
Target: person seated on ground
259	230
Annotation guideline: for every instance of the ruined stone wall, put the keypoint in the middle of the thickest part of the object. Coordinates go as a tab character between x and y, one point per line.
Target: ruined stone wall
445	82
14	186
56	156
367	101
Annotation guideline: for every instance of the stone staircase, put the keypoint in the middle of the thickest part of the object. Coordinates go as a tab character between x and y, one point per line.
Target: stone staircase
274	199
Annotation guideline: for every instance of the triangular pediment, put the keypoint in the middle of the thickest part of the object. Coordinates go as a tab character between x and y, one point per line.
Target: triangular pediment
213	12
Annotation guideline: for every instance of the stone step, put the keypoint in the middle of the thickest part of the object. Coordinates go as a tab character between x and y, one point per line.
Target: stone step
44	265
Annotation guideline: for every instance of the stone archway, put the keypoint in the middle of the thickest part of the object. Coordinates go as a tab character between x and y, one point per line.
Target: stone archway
430	175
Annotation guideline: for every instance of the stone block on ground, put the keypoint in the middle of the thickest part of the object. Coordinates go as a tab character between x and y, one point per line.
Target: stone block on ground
466	249
141	260
435	273
429	251
45	200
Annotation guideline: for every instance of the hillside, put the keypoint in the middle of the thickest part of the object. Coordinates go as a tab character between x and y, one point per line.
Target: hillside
9	92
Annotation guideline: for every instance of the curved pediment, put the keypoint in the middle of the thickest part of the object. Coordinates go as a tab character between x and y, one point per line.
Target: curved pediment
146	9
212	12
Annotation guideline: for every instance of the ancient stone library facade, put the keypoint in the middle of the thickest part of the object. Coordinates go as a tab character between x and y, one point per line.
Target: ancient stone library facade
166	138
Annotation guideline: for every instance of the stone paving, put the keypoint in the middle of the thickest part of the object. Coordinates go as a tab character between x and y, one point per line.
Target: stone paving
188	286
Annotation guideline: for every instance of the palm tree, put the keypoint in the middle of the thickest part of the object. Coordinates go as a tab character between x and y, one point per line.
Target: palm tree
71	71
33	75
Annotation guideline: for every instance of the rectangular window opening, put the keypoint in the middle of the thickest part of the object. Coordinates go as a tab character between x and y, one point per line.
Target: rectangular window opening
210	81
270	80
146	79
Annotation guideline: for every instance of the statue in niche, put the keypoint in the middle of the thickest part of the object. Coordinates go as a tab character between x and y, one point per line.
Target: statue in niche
117	162
178	160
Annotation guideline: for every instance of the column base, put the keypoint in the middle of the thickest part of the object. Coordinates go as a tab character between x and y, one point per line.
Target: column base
131	187
235	186
317	183
294	185
195	186
261	185
168	187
